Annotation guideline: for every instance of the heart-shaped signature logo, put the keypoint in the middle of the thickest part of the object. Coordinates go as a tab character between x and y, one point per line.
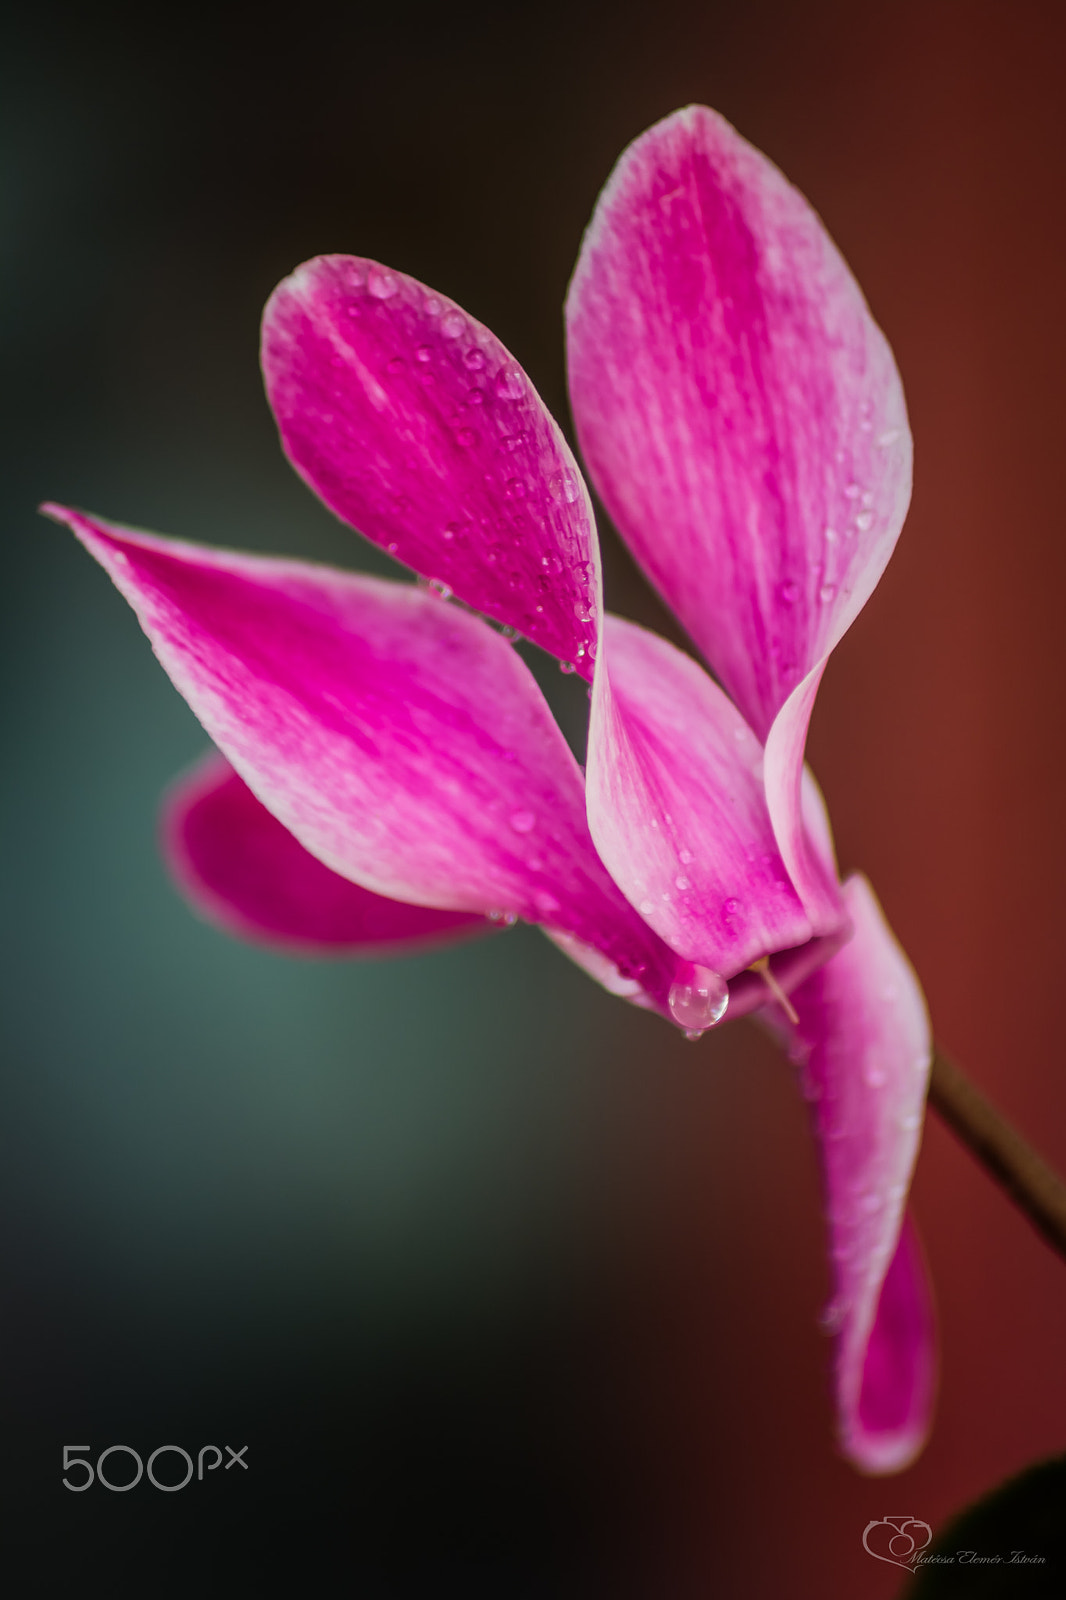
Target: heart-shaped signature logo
897	1539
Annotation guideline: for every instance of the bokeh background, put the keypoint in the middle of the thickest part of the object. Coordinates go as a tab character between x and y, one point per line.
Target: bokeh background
509	1290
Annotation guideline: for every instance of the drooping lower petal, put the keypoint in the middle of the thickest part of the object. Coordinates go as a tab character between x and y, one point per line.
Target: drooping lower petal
678	811
401	740
863	1048
738	408
415	425
242	870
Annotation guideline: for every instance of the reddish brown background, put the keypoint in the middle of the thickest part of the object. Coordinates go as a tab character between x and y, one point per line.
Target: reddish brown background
932	139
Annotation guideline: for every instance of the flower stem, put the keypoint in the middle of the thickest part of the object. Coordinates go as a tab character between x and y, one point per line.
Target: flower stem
1035	1189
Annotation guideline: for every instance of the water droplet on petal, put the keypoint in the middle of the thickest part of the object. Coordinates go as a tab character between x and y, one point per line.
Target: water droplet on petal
566	666
887	438
827	592
397	364
467	436
682	883
523	821
684	856
431	306
440	589
545	903
699	1000
788	593
509	384
564	487
424	352
452	324
382	283
645	907
864	521
852	492
474	358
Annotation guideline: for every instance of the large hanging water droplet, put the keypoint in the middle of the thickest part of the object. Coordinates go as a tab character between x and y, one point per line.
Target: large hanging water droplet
699	999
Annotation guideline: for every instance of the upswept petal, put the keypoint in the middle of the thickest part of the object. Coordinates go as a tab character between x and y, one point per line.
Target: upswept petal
677	807
245	872
401	740
805	850
738	409
863	1048
415	425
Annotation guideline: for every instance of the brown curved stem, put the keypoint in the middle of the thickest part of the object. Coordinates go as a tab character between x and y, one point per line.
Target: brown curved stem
1035	1189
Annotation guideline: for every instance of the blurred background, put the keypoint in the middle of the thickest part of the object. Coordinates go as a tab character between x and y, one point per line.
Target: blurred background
509	1291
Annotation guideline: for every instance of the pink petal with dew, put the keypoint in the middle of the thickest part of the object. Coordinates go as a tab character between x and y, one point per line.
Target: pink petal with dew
678	811
400	739
415	425
245	872
738	408
863	1047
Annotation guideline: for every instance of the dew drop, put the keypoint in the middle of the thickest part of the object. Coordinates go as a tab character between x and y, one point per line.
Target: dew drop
684	856
864	521
467	436
788	593
523	821
424	352
509	385
382	283
699	1000
852	492
440	589
827	592
731	907
645	908
517	488
397	364
832	536
431	306
551	563
474	358
564	487
545	903
392	547
452	324
567	667
887	438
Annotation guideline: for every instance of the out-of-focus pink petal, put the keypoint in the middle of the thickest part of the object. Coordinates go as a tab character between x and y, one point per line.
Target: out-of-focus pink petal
808	859
738	408
245	872
890	1423
677	808
400	739
415	425
863	1048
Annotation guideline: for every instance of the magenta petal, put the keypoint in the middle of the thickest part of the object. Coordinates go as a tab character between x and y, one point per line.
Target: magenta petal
245	872
677	807
864	1048
416	426
792	799
738	408
889	1425
400	739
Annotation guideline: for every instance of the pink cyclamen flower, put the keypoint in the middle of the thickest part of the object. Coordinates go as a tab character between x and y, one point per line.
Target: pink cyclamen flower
390	775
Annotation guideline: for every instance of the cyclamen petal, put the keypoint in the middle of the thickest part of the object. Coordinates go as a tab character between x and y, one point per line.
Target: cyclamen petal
863	1047
414	424
738	408
242	870
678	811
401	740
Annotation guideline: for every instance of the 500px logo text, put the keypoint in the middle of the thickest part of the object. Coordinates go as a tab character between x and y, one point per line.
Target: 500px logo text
106	1472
